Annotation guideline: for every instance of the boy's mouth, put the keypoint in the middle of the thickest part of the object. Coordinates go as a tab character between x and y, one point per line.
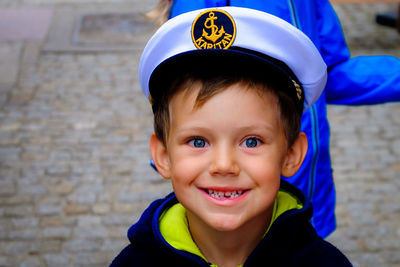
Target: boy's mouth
224	194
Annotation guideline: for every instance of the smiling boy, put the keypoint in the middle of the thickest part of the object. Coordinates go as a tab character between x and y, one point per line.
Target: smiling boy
226	128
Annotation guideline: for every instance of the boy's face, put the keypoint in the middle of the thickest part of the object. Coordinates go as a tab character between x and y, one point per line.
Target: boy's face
224	157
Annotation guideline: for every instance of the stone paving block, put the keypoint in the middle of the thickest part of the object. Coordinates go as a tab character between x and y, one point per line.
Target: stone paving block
344	243
7	188
4	261
15	248
56	221
88	220
56	232
25	234
49	209
28	222
82	197
90	232
392	257
31	261
76	209
57	259
115	219
118	232
15	200
110	245
33	190
92	259
18	211
82	245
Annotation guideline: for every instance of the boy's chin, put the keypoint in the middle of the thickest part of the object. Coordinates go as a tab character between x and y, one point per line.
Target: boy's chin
227	228
228	223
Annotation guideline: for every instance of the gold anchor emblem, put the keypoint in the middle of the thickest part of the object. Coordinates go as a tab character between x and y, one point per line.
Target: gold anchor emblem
209	24
213	29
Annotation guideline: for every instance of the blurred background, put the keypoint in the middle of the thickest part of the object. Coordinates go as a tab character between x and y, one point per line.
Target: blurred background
75	128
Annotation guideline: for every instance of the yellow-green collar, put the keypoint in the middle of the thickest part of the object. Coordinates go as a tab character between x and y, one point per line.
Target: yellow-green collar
174	225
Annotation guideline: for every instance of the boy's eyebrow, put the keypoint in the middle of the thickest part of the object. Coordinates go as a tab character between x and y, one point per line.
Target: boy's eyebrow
250	127
266	129
266	126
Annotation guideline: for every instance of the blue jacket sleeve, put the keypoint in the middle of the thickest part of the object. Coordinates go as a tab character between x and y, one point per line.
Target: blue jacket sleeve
359	80
364	80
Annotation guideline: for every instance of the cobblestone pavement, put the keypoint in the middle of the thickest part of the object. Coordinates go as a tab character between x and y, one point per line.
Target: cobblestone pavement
74	132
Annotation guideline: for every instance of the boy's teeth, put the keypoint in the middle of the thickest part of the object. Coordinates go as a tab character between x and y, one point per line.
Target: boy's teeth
224	195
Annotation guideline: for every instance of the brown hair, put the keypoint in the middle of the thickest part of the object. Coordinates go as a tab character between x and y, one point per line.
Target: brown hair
161	12
289	115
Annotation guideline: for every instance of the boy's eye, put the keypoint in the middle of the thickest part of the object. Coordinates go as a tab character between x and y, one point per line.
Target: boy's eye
198	142
251	142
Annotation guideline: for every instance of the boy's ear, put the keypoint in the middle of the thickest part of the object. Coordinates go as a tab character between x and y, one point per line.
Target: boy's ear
295	156
160	156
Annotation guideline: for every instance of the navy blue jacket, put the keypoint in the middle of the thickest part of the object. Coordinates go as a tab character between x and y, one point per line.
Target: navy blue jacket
290	241
351	81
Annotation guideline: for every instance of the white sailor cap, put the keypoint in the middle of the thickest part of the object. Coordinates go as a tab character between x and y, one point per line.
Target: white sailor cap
233	39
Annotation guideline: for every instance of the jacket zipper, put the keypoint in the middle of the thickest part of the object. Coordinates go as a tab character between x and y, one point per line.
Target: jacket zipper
313	117
293	13
315	138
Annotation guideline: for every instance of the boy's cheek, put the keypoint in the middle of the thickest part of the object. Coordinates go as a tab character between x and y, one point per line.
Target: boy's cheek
261	164
187	167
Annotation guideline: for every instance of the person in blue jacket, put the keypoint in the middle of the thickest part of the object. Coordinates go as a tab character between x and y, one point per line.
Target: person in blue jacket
351	81
227	88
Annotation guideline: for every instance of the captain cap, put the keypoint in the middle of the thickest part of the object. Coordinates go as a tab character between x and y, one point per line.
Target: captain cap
233	39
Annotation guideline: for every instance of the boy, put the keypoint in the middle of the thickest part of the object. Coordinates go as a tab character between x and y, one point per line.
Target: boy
228	87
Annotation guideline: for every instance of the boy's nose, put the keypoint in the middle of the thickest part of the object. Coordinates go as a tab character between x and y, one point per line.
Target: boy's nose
224	162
